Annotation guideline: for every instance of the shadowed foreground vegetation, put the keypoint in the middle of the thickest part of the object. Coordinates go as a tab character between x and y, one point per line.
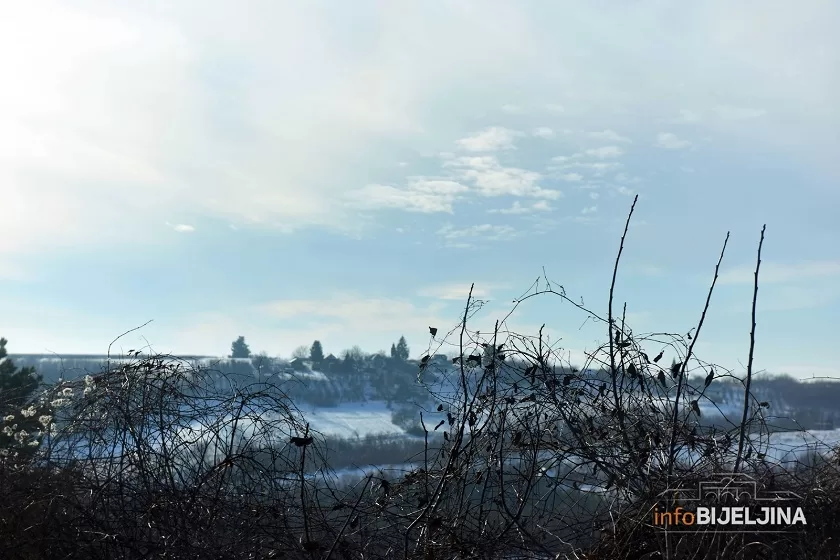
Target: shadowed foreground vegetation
523	456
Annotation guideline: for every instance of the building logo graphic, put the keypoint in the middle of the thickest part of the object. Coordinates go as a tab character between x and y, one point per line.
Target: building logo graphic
728	502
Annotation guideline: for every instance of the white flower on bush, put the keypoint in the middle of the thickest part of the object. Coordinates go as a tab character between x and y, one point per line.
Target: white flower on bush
88	381
45	420
7	430
21	436
27	412
9	418
67	392
58	403
34	443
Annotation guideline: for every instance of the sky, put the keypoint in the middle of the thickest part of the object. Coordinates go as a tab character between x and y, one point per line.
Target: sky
344	171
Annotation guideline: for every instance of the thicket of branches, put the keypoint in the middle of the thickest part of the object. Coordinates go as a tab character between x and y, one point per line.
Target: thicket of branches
525	457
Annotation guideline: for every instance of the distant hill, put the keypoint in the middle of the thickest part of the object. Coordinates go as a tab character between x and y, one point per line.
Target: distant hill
335	382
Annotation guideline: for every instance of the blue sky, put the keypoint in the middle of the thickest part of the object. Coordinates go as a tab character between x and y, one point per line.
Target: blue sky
344	171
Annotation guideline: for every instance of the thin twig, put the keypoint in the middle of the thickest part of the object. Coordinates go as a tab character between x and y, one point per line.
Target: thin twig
613	373
750	360
680	380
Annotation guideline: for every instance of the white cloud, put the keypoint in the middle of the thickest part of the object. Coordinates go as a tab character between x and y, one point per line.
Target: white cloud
182	228
597	169
512	109
625	178
457	291
687	117
589	210
777	273
609	135
489	178
487	232
13	271
670	141
543	132
349	312
518	208
605	152
594	195
571	177
421	195
490	139
117	106
738	113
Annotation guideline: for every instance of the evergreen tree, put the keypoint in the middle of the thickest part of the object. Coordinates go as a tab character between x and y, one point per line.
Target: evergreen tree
18	416
316	353
393	351
239	349
348	364
402	352
16	384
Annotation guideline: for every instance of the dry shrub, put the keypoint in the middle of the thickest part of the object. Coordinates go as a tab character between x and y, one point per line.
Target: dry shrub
525	456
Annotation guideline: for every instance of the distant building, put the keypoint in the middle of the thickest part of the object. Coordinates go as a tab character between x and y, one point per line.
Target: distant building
331	363
299	364
440	359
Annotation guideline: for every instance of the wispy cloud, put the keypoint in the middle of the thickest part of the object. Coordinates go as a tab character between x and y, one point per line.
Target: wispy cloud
670	141
490	139
646	270
625	178
609	136
784	296
571	177
124	119
489	178
543	132
738	113
421	195
461	238
363	315
687	117
512	109
182	228
605	152
11	270
456	291
778	273
596	168
518	208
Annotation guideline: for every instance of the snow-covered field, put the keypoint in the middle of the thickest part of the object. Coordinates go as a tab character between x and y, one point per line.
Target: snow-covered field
351	420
